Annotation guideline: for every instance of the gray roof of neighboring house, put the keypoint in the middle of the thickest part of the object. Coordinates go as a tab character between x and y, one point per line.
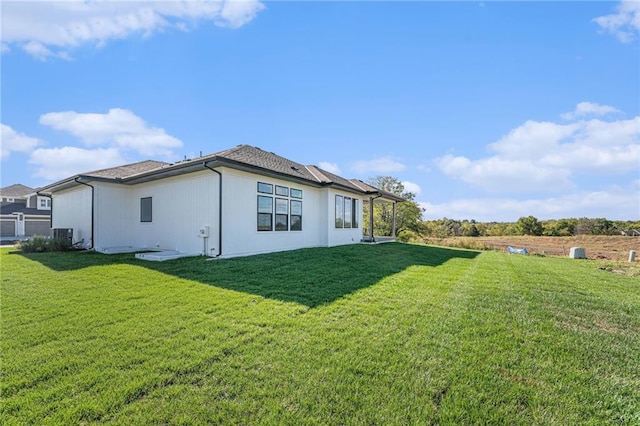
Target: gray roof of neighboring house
244	157
17	190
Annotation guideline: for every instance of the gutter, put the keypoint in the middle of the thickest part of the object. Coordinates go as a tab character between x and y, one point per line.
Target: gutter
219	207
93	202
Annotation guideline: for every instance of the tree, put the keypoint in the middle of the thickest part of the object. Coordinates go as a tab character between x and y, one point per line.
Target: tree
529	226
559	228
408	213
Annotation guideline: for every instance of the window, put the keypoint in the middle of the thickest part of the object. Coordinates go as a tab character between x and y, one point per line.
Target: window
296	215
354	213
45	202
339	211
145	209
265	188
347	212
282	214
287	215
265	213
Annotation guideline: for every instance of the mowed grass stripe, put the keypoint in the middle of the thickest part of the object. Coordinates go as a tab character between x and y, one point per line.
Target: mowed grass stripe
387	334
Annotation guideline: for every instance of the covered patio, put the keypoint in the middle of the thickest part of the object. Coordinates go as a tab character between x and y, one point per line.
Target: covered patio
388	202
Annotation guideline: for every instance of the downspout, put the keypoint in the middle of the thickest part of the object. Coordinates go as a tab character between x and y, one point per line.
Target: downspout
93	202
51	210
219	208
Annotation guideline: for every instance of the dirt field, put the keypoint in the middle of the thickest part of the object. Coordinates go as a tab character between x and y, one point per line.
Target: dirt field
596	246
615	248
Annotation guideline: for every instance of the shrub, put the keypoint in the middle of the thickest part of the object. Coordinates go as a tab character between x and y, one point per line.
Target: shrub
39	244
59	244
406	236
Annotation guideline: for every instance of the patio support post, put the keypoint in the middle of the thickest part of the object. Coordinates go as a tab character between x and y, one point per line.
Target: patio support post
393	215
371	238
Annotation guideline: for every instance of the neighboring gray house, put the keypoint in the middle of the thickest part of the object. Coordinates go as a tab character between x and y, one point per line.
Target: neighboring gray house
23	213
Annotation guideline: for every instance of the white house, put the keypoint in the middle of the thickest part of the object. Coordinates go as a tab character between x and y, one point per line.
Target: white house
237	202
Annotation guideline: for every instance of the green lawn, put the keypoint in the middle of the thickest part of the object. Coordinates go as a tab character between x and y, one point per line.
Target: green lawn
383	334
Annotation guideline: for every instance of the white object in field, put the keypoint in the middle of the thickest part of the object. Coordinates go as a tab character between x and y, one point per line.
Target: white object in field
577	253
632	255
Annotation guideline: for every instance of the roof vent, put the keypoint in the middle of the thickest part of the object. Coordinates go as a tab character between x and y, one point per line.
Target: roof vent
295	168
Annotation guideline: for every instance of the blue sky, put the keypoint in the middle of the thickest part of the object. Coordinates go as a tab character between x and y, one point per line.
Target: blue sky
487	110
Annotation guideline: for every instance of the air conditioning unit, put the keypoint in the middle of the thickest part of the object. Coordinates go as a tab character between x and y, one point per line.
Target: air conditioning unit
62	234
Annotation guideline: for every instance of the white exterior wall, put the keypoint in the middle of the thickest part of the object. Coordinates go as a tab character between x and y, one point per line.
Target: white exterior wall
72	209
341	236
114	215
240	217
180	207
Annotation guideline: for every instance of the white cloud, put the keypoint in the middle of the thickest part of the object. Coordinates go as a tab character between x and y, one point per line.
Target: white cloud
58	163
45	29
613	203
412	187
497	174
584	109
625	23
13	141
378	165
544	156
118	127
330	167
235	14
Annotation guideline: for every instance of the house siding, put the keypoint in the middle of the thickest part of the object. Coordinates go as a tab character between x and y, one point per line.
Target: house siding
180	207
72	209
113	215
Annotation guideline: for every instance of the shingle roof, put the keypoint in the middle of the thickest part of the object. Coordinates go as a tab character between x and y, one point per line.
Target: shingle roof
122	172
242	156
16	190
254	156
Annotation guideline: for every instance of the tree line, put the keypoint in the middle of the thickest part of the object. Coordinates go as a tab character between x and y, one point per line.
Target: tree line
410	226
